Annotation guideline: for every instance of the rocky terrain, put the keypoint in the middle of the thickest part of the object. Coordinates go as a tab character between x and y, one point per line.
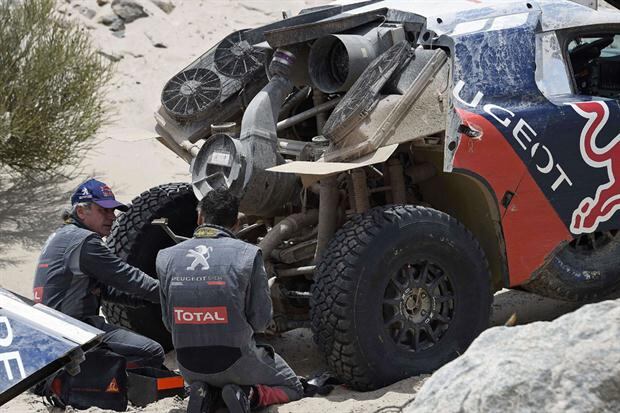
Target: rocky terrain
569	365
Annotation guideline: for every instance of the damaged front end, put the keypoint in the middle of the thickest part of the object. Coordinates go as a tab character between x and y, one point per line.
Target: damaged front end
321	116
355	133
37	341
293	116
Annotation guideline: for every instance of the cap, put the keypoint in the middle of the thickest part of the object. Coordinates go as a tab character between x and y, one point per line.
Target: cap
97	192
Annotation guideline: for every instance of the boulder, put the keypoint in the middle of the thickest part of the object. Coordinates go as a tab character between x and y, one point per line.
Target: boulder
571	364
128	10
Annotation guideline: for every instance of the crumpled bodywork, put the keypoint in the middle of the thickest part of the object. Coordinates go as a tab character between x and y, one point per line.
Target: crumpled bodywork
36	341
399	161
486	83
517	128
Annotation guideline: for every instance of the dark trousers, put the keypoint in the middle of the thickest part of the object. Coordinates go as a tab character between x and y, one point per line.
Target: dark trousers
275	381
139	351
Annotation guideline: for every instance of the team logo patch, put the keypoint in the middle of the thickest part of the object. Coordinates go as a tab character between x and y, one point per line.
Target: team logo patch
206	233
106	191
593	211
200	254
200	315
85	194
113	386
38	294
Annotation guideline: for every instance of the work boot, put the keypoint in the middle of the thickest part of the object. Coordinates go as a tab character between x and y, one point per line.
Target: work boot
201	398
236	399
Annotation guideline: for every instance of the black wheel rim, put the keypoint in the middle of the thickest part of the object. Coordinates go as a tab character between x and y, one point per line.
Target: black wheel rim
588	243
418	305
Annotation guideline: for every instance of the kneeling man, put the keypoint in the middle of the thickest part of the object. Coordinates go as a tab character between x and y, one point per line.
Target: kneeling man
214	297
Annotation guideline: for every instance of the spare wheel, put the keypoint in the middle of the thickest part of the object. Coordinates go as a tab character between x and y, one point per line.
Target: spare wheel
137	241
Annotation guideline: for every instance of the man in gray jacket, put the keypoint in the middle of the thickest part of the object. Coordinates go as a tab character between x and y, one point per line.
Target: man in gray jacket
214	297
76	270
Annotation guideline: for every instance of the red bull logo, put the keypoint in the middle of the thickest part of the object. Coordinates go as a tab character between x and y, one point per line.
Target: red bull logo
591	212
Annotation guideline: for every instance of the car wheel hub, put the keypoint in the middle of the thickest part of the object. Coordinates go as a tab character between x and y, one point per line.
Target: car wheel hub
418	305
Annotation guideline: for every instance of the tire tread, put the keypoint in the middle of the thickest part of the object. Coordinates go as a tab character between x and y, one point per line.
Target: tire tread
127	230
332	294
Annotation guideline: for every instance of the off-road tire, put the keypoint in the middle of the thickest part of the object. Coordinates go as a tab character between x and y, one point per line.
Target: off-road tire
354	275
137	241
581	274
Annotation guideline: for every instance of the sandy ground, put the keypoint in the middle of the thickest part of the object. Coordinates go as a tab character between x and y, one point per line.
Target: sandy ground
299	350
131	161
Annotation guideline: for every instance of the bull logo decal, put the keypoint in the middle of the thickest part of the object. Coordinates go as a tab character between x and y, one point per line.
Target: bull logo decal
593	211
200	254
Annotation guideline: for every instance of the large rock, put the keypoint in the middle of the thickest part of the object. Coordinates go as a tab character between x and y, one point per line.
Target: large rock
571	364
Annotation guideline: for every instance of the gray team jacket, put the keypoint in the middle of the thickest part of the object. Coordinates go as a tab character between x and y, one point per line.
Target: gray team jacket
76	270
214	296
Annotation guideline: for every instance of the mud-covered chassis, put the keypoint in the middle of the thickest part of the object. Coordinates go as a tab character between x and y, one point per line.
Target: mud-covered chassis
396	164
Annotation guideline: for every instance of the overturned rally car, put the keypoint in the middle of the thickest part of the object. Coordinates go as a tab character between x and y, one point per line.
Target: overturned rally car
398	162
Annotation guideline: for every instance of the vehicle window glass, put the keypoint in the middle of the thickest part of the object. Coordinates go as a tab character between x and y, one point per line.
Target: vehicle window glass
595	60
552	74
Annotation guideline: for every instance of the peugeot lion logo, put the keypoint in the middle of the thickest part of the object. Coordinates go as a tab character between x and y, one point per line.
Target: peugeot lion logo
200	254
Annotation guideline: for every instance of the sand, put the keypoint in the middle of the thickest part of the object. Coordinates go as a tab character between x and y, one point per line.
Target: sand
129	159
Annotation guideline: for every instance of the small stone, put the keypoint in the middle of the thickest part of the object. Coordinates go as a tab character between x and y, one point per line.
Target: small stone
120	33
115	23
118	26
114	57
128	10
101	3
166	6
155	42
85	11
108	19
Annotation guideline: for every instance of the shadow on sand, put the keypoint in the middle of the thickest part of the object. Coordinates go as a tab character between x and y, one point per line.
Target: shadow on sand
30	210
